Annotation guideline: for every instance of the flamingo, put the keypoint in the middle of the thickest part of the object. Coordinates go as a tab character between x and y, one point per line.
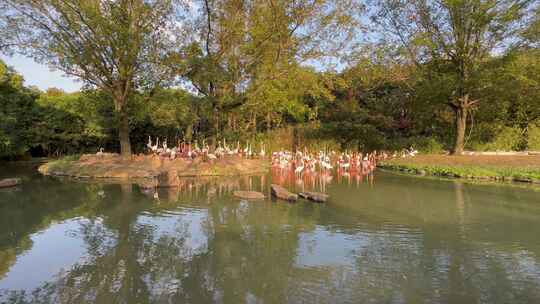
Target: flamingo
246	149
299	169
262	153
149	144
155	147
326	165
343	164
250	152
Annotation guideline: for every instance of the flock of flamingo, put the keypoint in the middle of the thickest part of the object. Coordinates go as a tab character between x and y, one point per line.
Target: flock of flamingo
189	150
299	162
304	169
306	162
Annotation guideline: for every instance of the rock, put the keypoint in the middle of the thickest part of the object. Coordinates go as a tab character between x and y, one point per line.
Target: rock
314	196
147	184
9	182
249	194
282	193
168	179
522	180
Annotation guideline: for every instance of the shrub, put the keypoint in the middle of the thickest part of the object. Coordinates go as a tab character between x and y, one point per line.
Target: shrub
430	146
507	139
426	145
533	139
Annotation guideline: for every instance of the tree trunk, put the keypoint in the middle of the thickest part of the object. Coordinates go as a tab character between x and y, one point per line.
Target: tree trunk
123	134
254	117
188	136
295	139
461	125
215	125
268	122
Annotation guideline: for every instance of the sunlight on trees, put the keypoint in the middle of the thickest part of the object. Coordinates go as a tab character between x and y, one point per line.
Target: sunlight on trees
439	75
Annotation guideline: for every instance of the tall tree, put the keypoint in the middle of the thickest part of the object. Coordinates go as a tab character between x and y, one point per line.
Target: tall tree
455	37
113	45
240	45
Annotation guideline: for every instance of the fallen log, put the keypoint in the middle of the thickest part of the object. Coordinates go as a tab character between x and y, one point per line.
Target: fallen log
282	193
314	196
249	194
9	182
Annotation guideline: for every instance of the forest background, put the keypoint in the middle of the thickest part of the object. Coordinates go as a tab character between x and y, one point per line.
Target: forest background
342	74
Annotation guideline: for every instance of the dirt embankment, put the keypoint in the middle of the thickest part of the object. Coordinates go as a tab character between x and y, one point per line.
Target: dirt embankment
143	167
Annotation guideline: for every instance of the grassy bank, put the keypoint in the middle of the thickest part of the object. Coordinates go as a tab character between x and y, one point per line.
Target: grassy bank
500	168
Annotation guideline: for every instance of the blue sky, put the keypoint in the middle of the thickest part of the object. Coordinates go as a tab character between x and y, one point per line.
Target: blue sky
40	75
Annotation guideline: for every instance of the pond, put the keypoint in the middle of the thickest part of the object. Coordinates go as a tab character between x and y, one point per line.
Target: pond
384	239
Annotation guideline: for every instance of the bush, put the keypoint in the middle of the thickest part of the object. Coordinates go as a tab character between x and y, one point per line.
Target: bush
425	145
533	138
506	139
431	146
284	138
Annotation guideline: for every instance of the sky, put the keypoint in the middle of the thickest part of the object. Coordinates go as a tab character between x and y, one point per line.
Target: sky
40	75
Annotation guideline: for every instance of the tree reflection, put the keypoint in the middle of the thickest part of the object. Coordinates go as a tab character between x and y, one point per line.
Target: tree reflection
396	241
249	253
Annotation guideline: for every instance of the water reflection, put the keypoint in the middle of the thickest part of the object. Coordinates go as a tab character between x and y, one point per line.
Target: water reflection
401	240
319	181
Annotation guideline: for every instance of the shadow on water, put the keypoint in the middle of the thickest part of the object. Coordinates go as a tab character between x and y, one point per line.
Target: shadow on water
380	238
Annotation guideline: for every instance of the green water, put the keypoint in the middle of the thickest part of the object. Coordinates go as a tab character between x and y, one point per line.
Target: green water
390	239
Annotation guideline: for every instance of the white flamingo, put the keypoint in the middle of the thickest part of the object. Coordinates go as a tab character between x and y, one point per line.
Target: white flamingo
149	144
155	147
299	169
262	153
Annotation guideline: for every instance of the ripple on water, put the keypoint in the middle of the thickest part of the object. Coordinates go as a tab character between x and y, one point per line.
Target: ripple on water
395	240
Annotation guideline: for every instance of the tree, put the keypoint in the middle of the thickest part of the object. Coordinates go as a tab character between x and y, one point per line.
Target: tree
244	51
16	113
455	37
111	45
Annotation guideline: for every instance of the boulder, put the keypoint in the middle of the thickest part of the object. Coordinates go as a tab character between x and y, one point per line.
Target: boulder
168	178
249	194
9	182
314	196
282	193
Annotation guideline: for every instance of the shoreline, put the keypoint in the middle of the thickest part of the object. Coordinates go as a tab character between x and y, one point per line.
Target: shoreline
519	169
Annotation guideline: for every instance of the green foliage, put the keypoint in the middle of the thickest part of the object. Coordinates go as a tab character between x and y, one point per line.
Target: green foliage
455	38
427	145
16	113
114	46
533	140
504	139
247	62
472	172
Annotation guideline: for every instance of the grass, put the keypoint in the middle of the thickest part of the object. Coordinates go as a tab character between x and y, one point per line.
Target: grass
507	168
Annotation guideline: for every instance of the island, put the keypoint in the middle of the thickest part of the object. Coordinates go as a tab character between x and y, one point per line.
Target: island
151	169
